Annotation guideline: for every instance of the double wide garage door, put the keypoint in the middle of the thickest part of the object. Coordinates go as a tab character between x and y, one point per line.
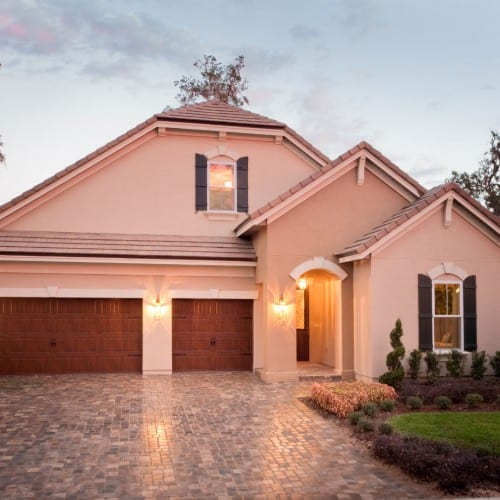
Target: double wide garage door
212	334
70	335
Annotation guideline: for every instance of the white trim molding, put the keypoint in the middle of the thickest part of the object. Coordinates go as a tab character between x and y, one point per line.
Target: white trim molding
318	263
447	268
75	293
212	293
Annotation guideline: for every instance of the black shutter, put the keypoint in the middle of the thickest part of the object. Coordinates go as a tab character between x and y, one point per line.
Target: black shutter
201	182
470	314
242	184
424	313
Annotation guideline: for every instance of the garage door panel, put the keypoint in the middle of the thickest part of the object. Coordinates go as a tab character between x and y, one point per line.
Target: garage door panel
70	335
212	334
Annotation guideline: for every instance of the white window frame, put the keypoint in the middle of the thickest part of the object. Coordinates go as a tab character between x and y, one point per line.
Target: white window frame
461	315
235	201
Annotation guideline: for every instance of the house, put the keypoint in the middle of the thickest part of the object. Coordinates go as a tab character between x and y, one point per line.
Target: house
212	238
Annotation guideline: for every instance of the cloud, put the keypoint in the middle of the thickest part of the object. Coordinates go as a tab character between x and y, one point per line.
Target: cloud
356	19
91	34
302	32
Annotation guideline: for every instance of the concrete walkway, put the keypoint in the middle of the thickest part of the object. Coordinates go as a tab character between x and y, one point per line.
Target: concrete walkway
188	435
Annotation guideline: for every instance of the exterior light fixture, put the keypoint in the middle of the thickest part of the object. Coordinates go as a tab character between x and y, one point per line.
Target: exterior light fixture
159	309
302	283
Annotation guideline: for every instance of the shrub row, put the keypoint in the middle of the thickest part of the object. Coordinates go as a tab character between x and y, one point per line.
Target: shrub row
456	390
342	398
453	469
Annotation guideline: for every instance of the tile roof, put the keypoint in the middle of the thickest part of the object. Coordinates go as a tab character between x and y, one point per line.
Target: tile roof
331	165
218	112
137	246
402	216
209	112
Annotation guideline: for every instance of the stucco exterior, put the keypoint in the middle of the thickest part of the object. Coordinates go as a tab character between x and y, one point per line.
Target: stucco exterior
357	229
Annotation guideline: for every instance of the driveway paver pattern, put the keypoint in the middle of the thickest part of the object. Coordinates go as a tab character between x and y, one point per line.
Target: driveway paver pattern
189	435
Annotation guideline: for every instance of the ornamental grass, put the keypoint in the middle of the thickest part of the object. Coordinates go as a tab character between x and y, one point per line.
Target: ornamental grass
342	398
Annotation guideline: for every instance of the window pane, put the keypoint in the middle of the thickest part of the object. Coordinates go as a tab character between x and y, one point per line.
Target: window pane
453	294
221	176
221	187
221	199
447	333
299	310
440	299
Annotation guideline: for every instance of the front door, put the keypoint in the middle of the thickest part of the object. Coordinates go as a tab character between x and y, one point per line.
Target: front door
302	324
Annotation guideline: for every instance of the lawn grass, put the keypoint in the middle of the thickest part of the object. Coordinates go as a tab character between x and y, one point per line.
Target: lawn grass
477	430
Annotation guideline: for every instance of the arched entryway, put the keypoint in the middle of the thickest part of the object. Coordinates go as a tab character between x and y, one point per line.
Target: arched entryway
318	312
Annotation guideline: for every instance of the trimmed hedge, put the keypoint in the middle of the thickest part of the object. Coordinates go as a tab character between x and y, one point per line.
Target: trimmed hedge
453	469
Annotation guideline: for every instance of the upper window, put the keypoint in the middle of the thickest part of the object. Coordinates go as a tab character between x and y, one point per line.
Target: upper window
221	187
447	316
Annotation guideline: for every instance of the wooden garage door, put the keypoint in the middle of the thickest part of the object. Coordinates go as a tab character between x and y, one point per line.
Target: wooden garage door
212	334
70	335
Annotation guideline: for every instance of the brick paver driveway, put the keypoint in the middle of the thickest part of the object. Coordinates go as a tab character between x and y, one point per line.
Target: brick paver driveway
188	435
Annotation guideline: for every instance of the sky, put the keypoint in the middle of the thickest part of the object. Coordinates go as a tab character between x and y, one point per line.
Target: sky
418	79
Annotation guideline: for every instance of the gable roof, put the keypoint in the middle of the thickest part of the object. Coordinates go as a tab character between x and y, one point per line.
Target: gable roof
210	113
303	187
402	219
125	246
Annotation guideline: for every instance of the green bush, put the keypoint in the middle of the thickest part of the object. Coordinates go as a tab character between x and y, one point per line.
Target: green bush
433	370
365	425
387	405
385	428
454	363
355	416
395	374
473	399
478	366
443	402
414	363
414	403
369	409
495	363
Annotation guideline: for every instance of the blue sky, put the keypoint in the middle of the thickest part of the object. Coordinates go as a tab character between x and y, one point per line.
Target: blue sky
419	80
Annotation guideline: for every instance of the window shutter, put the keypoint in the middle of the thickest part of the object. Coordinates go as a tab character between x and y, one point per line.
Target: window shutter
470	314
424	313
200	182
242	184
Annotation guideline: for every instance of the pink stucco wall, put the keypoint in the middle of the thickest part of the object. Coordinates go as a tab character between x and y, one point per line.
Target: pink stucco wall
151	188
393	282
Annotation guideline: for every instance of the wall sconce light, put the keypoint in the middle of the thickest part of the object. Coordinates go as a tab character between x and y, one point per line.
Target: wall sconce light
159	309
281	308
302	283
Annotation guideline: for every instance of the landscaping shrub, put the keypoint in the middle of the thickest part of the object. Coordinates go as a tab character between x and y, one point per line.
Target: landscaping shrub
365	425
473	400
369	409
414	361
387	405
454	363
342	398
495	363
478	366
414	403
453	469
385	428
396	372
433	370
355	416
455	389
443	402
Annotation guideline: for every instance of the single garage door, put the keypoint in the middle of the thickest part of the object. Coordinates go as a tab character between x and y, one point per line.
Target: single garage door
212	334
70	335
